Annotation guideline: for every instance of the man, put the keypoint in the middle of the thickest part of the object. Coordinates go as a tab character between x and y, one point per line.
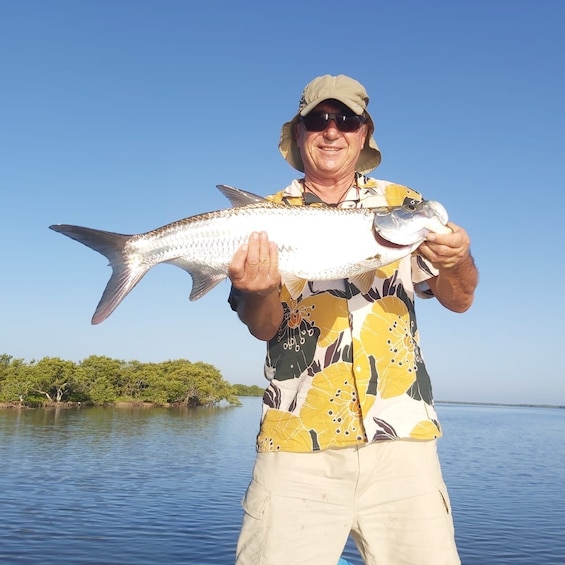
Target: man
347	443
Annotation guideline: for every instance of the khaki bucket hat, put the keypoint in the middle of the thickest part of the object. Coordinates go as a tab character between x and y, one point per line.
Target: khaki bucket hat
347	91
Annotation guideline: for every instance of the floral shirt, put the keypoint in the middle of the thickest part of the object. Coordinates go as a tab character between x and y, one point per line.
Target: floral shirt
345	368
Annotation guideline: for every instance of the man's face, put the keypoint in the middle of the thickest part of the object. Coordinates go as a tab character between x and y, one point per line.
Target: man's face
330	154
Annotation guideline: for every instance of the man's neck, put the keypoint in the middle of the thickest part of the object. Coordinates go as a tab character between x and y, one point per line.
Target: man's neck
330	191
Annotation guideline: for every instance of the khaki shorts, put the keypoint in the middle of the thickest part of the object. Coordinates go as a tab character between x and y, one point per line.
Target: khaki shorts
300	508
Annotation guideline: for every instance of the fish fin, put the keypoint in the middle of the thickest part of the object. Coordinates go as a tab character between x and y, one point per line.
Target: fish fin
202	281
364	281
239	197
294	284
107	243
121	283
111	245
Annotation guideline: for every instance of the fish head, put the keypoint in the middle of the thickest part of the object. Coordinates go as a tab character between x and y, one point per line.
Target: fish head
410	223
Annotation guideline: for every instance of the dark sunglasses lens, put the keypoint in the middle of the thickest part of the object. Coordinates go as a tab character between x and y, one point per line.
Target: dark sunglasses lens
319	122
315	122
348	123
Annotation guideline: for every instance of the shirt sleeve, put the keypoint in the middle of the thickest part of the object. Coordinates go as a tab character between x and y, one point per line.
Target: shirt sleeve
234	298
422	271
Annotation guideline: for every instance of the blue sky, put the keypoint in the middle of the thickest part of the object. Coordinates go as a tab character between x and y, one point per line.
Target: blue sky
124	116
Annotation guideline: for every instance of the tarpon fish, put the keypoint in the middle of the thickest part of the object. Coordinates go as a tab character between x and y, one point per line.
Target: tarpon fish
314	243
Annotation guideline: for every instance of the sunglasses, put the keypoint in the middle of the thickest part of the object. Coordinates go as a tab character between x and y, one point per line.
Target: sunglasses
319	122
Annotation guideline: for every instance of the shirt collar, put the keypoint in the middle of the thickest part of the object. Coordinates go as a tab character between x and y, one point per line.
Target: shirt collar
360	190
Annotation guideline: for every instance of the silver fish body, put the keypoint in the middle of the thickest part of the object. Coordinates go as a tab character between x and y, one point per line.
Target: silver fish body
314	243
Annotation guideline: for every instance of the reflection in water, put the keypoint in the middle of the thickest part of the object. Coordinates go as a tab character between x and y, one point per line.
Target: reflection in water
147	486
165	483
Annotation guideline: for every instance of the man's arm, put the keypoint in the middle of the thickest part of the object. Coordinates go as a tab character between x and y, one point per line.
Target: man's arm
458	277
254	272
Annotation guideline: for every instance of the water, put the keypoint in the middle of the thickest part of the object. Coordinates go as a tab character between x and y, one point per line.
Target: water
505	468
103	486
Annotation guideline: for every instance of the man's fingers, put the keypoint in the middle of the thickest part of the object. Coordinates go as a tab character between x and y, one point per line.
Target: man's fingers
264	251
259	256
253	251
273	257
255	260
236	269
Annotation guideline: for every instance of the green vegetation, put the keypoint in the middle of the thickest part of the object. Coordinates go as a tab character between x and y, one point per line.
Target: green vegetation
102	380
246	390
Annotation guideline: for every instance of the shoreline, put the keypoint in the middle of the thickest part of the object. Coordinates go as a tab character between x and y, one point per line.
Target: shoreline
119	404
147	405
504	404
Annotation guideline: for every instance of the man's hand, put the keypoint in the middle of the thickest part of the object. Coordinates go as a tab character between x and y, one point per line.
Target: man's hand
457	280
254	268
254	271
446	251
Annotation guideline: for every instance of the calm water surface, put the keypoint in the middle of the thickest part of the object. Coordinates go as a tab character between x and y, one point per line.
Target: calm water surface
106	486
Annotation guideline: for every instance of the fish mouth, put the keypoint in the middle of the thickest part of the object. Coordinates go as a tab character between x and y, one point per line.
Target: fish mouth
386	243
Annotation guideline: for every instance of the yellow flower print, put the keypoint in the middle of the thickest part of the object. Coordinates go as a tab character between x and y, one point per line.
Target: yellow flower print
291	434
367	182
341	423
279	196
396	193
388	270
390	345
326	312
426	429
331	316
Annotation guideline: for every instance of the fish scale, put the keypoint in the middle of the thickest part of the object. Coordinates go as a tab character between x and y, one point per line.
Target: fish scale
210	240
314	243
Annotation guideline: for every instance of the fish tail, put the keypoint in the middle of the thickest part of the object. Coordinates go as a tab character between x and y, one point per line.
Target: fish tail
112	246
